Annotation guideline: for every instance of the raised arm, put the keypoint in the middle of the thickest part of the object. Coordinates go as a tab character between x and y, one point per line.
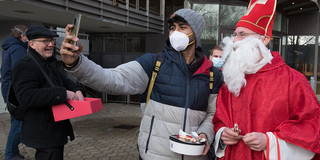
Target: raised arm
70	53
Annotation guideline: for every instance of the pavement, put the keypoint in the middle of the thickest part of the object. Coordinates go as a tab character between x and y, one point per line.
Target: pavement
109	134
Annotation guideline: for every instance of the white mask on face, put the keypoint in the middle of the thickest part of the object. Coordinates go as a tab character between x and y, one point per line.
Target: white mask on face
179	41
217	62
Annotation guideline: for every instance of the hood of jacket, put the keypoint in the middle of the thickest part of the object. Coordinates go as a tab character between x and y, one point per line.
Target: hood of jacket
12	41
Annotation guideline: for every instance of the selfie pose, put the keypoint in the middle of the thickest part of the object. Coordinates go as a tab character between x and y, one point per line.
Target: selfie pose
181	97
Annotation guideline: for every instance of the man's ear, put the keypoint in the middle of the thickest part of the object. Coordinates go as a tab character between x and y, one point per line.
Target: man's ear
30	43
266	40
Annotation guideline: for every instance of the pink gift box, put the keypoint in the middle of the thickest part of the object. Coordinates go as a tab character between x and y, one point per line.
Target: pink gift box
88	106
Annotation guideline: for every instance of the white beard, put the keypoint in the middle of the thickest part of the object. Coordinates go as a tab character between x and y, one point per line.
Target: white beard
242	58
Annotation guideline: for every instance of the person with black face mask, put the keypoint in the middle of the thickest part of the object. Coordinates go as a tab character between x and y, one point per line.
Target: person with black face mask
13	48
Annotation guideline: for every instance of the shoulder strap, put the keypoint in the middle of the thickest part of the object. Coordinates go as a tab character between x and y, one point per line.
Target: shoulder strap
11	97
211	80
48	79
42	71
159	60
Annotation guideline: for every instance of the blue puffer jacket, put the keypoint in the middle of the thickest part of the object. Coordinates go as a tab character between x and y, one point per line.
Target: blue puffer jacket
174	83
12	50
180	99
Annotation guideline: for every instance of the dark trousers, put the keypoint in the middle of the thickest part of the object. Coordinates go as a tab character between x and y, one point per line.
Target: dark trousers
13	141
49	153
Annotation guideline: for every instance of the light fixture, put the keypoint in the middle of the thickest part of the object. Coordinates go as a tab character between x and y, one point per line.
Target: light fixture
301	9
292	2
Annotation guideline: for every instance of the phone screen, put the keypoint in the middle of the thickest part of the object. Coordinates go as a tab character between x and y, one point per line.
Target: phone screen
76	25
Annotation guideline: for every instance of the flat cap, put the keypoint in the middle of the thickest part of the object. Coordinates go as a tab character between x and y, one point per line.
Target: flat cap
38	31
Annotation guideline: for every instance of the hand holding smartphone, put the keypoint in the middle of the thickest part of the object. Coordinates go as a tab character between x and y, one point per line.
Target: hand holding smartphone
76	25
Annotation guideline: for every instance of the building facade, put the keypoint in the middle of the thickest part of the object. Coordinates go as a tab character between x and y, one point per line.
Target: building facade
295	31
117	31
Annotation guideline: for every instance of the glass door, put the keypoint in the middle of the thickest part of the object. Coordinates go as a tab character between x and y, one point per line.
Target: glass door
275	44
225	32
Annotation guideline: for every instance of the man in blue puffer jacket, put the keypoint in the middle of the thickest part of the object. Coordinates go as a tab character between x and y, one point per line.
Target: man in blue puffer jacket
13	48
181	97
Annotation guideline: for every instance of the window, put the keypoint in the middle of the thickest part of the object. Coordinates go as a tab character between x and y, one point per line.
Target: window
277	22
210	13
230	15
209	38
300	53
135	44
154	7
284	24
113	44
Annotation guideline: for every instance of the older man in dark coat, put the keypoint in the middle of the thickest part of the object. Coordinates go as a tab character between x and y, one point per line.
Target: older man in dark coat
36	96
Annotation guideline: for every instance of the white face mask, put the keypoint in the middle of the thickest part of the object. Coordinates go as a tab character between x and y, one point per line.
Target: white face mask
179	41
217	62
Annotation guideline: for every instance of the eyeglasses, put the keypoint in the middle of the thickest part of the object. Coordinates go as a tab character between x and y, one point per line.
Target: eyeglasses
46	41
241	35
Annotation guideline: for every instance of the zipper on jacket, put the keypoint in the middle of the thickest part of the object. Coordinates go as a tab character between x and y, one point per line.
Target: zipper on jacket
185	110
186	105
196	96
151	125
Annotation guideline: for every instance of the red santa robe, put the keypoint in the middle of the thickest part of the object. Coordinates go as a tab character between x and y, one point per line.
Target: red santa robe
276	99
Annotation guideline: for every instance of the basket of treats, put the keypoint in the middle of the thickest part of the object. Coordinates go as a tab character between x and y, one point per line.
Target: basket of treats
187	144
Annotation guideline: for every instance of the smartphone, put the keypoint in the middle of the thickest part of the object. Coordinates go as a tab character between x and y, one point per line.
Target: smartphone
76	25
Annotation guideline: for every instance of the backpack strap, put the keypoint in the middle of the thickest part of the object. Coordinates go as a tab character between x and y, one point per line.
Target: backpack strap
159	60
211	80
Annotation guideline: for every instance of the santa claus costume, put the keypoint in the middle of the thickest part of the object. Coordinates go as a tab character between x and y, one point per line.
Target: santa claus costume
272	98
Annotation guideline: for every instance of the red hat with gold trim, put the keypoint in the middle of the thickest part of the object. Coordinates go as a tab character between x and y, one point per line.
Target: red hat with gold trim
259	16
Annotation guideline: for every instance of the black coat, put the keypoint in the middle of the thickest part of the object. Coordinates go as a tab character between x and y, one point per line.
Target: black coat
39	130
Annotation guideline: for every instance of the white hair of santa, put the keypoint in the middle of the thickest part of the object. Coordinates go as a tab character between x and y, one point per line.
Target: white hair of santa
246	56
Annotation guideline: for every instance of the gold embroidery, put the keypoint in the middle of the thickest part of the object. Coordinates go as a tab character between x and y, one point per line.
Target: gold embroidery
270	19
261	18
274	11
253	24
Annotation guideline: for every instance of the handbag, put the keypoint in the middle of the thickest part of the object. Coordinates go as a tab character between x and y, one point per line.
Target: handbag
17	112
